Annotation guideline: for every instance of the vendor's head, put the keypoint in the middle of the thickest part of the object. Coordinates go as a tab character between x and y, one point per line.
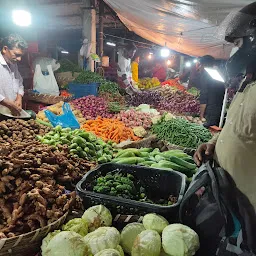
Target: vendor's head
12	47
136	58
130	50
206	61
240	30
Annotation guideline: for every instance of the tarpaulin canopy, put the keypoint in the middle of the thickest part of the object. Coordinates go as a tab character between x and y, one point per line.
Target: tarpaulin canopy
189	27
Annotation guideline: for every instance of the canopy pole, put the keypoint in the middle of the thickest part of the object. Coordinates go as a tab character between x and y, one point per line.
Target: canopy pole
101	28
224	105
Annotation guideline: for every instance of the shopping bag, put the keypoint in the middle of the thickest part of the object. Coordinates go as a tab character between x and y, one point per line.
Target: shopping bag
67	120
45	84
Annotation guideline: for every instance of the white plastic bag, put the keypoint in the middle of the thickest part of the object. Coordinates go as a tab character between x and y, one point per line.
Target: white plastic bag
44	62
45	84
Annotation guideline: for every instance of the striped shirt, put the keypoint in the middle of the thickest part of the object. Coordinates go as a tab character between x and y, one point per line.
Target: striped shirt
11	82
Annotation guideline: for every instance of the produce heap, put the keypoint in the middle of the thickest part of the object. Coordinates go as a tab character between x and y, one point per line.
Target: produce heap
93	235
33	178
148	83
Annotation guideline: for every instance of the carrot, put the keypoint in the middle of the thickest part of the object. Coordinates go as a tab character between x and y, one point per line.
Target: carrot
110	129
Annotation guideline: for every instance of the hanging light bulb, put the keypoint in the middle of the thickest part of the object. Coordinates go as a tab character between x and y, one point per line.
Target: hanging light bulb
21	18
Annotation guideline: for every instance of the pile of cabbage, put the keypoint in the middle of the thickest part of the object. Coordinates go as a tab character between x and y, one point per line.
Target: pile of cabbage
93	235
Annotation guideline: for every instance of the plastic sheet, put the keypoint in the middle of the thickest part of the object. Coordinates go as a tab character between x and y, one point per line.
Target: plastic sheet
189	27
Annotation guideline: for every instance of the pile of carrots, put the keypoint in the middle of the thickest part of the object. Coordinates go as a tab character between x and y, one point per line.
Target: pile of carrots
174	83
110	129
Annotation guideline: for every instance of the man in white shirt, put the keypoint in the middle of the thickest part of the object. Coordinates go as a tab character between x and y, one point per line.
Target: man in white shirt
11	82
124	68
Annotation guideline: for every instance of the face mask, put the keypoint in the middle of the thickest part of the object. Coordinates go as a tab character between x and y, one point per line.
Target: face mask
241	58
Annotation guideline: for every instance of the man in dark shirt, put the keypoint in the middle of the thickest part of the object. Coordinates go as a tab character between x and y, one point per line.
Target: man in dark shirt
211	95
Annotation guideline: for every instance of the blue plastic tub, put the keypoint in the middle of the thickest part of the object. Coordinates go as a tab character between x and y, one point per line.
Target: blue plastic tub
81	90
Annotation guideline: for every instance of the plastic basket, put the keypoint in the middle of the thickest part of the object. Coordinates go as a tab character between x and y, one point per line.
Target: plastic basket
81	90
157	182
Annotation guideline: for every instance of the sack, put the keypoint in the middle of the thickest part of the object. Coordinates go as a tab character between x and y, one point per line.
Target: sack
45	84
211	206
67	120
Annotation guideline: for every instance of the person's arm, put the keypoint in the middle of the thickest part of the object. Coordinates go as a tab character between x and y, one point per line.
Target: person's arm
18	100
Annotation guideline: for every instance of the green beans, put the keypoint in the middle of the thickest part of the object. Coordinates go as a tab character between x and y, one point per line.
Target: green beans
181	132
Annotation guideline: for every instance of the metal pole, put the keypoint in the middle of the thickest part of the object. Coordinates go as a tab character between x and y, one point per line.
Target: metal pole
225	100
181	64
101	27
93	36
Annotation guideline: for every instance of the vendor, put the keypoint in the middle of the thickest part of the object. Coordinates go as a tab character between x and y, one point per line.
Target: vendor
159	71
211	93
235	147
135	69
11	82
124	68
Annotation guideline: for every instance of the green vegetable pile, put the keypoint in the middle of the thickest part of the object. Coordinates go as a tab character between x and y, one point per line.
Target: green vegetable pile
109	87
124	185
115	107
175	160
194	91
80	143
67	65
181	132
88	77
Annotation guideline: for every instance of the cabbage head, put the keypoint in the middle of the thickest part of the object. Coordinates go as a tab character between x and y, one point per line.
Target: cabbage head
180	240
120	250
47	239
66	243
129	234
155	222
97	216
102	238
77	225
147	243
108	252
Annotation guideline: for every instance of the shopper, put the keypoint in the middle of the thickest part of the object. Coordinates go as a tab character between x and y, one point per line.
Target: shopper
160	71
235	147
11	82
125	54
135	69
211	93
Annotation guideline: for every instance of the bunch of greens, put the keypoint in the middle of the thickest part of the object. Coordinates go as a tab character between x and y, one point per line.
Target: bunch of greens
88	77
109	87
67	65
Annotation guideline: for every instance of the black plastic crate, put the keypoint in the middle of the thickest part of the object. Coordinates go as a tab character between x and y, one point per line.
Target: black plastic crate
156	181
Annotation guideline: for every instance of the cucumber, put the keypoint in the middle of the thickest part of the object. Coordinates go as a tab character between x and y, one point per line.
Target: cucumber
189	160
132	150
129	160
158	158
126	154
177	153
146	150
183	163
171	165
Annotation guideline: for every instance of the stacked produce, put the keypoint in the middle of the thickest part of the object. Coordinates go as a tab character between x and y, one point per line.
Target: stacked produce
194	91
175	84
88	77
31	179
152	98
195	120
132	118
148	83
57	110
180	102
67	65
80	144
154	237
20	131
126	186
181	132
110	129
175	160
108	87
92	107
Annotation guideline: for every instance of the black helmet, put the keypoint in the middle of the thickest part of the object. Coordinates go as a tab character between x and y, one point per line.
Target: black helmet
240	29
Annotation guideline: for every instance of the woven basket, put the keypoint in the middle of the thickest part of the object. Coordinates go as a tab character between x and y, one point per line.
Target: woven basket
28	244
45	98
64	78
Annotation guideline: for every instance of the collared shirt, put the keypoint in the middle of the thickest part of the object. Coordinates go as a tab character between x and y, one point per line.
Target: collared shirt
11	82
236	144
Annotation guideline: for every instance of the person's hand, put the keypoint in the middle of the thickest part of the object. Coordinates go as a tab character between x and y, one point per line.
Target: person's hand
18	102
205	150
15	110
